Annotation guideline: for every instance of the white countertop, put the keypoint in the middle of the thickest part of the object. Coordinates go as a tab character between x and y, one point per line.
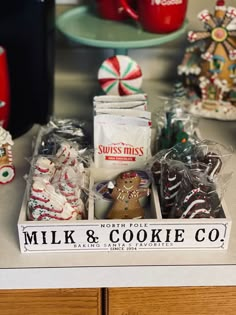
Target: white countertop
109	269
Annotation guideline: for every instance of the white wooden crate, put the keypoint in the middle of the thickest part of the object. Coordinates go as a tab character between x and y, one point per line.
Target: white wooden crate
152	233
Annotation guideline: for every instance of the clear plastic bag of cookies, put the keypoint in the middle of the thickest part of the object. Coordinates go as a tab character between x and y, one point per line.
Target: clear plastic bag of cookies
213	154
198	197
194	171
65	130
56	191
58	185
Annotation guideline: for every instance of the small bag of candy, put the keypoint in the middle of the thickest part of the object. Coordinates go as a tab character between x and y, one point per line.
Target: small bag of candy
198	197
186	169
58	185
65	130
174	125
211	153
104	103
182	152
214	155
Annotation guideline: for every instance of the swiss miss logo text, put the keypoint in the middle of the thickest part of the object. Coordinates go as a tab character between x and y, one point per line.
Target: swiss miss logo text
120	152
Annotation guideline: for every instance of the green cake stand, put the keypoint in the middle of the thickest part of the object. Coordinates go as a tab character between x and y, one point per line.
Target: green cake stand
82	25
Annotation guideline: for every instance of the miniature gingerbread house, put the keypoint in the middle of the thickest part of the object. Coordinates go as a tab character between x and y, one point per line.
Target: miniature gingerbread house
208	68
212	91
7	170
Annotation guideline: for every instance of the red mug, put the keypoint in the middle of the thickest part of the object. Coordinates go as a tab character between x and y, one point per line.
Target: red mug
111	10
158	16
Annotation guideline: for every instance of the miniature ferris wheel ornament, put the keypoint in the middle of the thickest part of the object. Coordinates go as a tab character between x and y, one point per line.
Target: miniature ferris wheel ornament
7	169
120	75
208	68
216	30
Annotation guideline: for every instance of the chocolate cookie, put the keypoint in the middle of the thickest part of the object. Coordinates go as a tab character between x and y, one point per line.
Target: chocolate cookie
195	204
214	164
171	179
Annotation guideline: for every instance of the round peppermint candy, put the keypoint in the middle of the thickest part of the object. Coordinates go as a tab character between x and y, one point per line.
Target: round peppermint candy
120	75
7	173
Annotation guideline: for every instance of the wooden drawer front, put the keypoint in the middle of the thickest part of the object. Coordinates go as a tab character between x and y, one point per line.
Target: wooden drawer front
172	301
51	302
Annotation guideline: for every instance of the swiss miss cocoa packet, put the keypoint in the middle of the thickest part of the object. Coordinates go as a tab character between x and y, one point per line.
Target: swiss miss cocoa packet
121	141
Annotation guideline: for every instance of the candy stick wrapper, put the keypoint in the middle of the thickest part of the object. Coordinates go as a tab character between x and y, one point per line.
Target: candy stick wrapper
120	99
140	105
125	112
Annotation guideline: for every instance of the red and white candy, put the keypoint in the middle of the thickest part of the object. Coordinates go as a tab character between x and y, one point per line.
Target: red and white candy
120	75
